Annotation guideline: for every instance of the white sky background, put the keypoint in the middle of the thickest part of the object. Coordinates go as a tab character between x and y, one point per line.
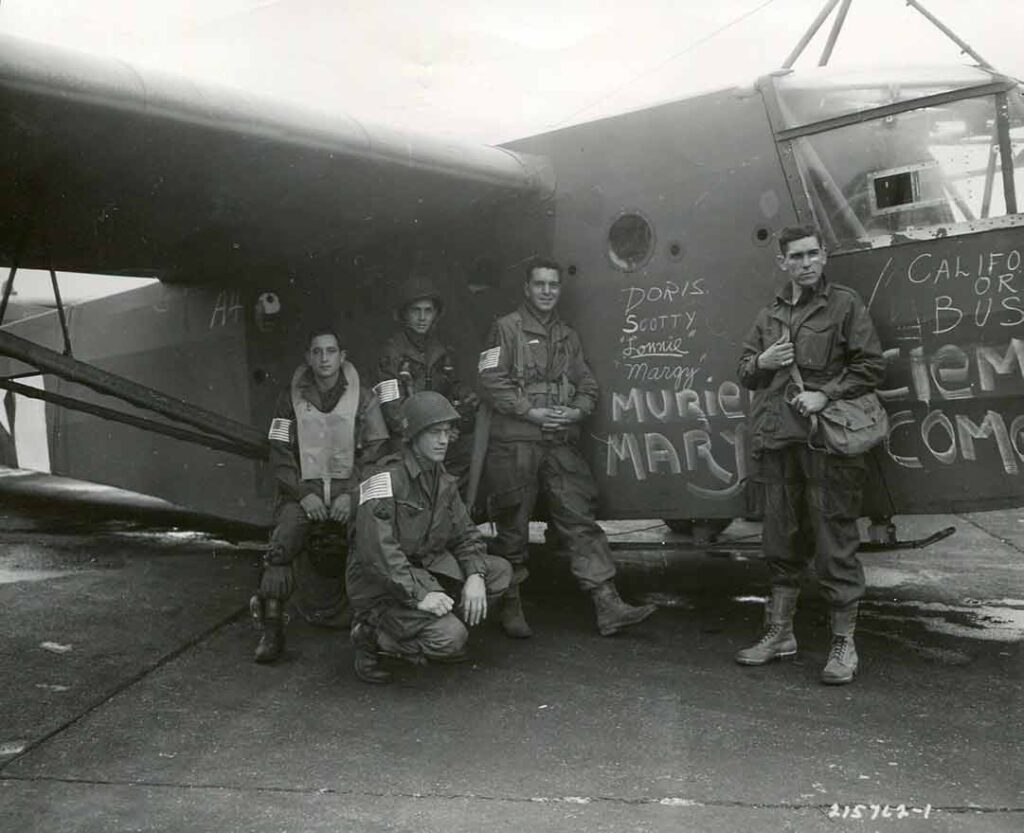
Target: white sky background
489	71
493	71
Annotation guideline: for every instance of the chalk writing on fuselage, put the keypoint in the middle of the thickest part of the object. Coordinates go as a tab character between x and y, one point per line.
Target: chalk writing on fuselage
686	443
981	290
657	327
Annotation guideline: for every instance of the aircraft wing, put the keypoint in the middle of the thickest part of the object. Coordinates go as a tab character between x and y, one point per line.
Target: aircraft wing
112	168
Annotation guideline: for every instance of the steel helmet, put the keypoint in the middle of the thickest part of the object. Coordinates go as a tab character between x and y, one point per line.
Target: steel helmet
416	288
424	409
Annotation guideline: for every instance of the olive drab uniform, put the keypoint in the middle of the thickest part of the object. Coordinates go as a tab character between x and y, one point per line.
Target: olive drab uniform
527	365
812	499
410	364
414	536
319	442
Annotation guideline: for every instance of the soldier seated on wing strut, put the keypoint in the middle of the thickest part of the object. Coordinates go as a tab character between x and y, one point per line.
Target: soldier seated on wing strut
326	426
418	573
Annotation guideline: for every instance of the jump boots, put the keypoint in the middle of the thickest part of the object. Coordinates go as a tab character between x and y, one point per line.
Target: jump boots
613	614
367	663
268	617
777	641
513	622
842	654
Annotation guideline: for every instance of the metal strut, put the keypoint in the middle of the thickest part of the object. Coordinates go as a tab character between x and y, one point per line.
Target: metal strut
242	438
837	26
60	313
8	287
113	415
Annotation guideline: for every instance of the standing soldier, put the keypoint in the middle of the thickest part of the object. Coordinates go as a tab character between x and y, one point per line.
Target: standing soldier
812	498
325	427
535	378
416	551
415	360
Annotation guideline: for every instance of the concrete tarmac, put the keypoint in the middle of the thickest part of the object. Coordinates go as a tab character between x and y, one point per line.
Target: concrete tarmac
131	702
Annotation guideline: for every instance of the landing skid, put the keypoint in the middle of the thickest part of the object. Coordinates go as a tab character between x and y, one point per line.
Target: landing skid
881	538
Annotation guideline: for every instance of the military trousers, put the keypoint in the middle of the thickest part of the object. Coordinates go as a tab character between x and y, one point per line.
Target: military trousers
318	572
517	473
407	631
812	502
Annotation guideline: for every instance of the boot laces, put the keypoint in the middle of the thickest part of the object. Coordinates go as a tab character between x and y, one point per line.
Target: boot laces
837	651
772	632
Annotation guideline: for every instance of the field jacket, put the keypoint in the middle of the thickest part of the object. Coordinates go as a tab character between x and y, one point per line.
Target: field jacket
410	525
529	365
836	348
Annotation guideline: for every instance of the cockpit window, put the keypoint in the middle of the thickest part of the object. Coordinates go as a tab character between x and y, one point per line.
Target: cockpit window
826	94
928	169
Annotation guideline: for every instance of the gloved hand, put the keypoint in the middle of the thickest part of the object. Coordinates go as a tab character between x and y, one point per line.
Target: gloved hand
277	581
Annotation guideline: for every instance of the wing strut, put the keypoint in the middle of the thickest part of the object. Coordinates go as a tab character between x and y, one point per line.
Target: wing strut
837	27
8	288
215	430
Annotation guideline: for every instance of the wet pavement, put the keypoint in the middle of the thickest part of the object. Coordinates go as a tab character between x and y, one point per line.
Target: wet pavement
131	702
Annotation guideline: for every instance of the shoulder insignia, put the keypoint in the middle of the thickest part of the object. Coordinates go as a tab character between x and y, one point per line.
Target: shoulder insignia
280	430
387	391
375	486
489	359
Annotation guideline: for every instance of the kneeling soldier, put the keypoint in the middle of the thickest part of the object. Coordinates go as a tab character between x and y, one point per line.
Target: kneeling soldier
416	551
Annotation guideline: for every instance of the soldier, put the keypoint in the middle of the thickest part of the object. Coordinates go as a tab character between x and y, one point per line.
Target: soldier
416	551
812	498
414	359
535	378
325	427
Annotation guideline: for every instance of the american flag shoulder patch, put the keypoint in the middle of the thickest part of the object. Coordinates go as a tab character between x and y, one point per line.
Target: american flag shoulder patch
280	430
387	391
489	359
375	486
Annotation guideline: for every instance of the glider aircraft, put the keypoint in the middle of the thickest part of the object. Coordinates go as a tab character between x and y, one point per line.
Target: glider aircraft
261	220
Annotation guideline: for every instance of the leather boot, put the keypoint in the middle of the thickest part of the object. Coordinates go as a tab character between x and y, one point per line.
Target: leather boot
367	658
842	653
513	622
613	614
271	625
777	641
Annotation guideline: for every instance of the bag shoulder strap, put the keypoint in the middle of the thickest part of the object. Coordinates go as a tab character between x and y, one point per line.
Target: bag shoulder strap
798	379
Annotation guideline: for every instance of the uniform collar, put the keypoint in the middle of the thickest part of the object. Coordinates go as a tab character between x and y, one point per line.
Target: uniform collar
784	296
530	322
425	346
412	464
310	392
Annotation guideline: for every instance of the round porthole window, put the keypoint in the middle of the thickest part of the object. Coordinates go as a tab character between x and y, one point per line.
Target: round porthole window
630	242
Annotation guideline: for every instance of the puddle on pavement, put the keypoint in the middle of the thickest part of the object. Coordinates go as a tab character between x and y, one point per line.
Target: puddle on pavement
994	620
8	576
989	620
890	577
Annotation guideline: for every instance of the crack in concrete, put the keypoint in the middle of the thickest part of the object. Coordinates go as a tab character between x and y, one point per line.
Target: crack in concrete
140	675
1005	541
666	801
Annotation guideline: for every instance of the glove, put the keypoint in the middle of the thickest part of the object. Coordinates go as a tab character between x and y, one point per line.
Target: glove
277	581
